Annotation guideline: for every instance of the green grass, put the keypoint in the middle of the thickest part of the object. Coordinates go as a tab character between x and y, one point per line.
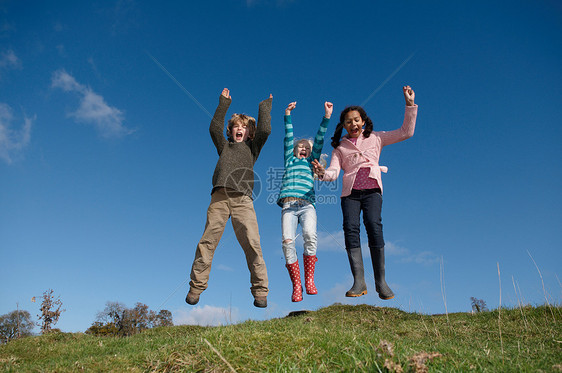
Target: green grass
335	338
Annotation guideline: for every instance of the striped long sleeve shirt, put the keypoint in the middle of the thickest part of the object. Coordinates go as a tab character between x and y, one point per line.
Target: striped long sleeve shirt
298	178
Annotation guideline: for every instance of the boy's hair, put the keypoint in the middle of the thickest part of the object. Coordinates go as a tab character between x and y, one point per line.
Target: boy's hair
249	121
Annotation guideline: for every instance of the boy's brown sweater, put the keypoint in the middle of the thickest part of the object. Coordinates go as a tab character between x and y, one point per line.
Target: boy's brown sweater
235	167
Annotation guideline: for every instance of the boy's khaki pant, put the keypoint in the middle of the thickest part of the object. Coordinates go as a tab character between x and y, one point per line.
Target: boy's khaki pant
226	203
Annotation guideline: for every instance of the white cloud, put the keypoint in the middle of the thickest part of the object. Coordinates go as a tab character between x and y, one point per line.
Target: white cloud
62	51
93	65
223	267
392	249
207	316
6	29
407	256
61	79
423	257
108	120
93	109
12	141
335	241
9	60
331	241
337	293
125	15
58	27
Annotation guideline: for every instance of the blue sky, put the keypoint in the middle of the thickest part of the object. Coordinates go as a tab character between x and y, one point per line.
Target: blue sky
106	161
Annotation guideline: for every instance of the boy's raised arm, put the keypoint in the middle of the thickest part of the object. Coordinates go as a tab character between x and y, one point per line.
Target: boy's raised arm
217	123
263	129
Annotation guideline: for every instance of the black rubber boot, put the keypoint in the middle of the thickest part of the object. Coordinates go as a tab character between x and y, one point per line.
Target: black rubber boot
377	257
359	287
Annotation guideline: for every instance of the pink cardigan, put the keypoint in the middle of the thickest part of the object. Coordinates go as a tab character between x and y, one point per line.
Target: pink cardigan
351	157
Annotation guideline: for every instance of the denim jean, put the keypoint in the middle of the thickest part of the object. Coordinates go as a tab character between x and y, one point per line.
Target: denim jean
298	212
370	202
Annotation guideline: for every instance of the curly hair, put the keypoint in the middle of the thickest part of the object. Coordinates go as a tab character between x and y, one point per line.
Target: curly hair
249	121
339	128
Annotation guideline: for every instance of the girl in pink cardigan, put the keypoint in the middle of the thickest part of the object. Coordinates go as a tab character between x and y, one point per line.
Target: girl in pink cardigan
357	154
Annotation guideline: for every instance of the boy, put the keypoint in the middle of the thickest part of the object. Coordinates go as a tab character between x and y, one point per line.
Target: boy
231	196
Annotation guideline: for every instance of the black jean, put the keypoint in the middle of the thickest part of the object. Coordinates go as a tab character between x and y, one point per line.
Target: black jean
370	202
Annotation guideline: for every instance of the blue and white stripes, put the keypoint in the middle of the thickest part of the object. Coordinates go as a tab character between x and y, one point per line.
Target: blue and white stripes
298	179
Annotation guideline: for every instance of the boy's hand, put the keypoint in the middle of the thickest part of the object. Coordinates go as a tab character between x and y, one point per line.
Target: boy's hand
318	168
290	107
226	93
266	104
328	107
409	95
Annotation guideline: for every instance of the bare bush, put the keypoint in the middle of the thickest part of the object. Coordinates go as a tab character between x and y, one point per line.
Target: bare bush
51	309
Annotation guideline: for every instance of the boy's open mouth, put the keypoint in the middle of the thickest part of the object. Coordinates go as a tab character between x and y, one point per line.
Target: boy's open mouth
303	153
239	136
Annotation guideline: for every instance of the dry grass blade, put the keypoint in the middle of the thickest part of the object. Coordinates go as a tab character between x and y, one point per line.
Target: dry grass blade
519	303
500	309
442	278
543	288
219	354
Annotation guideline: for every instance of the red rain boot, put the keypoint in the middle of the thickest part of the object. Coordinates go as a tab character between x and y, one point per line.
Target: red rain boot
309	264
295	274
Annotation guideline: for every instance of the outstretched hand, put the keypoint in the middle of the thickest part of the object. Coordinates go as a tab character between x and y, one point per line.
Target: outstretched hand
290	107
266	104
226	93
318	168
328	108
409	95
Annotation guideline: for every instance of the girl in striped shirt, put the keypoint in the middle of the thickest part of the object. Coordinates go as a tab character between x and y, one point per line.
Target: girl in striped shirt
297	199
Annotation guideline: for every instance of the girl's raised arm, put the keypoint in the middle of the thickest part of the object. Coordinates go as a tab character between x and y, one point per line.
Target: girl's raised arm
319	139
409	95
409	124
288	142
290	107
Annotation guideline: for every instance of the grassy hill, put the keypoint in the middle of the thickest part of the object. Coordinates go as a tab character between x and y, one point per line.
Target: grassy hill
335	338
